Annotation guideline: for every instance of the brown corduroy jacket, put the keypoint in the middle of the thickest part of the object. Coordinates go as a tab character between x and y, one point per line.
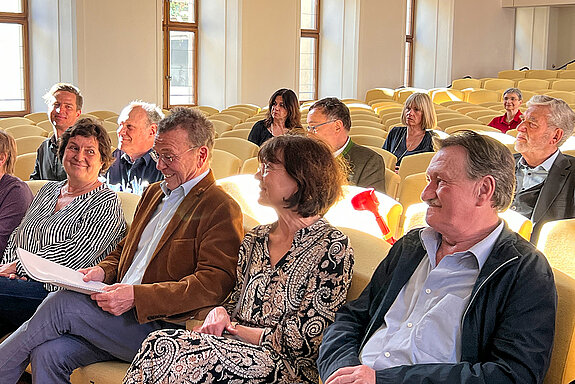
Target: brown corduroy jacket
193	268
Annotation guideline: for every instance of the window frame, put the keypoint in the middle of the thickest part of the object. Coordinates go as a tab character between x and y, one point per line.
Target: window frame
314	34
22	19
175	26
409	41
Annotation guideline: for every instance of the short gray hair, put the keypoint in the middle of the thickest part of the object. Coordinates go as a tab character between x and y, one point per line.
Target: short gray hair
200	130
153	112
487	156
517	91
560	115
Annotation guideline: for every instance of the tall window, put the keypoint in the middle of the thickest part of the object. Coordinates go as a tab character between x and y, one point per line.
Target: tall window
309	50
409	33
180	52
14	67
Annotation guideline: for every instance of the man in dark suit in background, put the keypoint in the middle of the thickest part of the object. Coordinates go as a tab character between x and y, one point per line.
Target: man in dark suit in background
545	177
330	120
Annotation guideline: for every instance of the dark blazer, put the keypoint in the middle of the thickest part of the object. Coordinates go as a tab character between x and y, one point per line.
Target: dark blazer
367	167
193	268
557	197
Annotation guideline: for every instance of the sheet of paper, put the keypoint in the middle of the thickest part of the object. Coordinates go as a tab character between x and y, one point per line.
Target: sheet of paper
47	271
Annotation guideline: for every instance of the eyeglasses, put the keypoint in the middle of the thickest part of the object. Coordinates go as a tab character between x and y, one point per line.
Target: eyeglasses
167	159
265	169
313	128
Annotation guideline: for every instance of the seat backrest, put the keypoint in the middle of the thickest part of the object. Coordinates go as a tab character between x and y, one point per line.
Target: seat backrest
224	164
245	125
18	131
221	126
388	158
444	124
241	133
564	85
241	148
442	96
465	83
374	141
557	242
129	203
24	165
566	74
518	223
541	74
532	85
28	144
35	185
368	252
471	127
562	367
498	84
483	96
512	74
8	122
207	110
568	97
410	189
370	131
250	166
103	114
416	163
379	93
392	181
233	120
37	117
237	113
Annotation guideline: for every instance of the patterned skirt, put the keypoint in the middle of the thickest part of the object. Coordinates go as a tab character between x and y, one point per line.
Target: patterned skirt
182	356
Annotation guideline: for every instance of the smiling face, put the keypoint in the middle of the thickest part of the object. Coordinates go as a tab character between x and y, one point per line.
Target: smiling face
511	102
178	162
536	140
82	161
63	111
276	185
135	134
450	194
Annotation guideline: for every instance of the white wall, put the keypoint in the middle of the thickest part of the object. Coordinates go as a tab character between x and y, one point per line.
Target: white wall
119	45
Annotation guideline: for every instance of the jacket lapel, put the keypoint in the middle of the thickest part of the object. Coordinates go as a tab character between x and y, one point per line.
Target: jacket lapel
552	187
186	206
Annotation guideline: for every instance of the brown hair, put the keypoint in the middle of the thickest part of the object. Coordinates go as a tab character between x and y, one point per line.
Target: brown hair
64	87
334	109
293	119
87	127
311	164
487	156
8	146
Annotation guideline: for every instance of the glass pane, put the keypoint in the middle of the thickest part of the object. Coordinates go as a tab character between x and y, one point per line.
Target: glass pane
408	26
11	68
182	71
307	68
308	14
407	73
12	6
182	11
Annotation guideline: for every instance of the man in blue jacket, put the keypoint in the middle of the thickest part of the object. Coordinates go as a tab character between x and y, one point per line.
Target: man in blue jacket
465	300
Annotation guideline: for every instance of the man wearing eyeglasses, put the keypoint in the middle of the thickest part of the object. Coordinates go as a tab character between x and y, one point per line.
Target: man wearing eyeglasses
177	262
545	177
134	169
330	120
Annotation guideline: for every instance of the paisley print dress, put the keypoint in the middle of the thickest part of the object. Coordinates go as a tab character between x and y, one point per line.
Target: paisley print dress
293	302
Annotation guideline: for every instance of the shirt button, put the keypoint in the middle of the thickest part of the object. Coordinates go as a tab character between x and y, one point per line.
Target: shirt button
428	291
409	325
387	354
514	208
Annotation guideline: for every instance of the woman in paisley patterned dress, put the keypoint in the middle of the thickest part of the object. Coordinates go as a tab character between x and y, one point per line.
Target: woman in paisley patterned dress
293	275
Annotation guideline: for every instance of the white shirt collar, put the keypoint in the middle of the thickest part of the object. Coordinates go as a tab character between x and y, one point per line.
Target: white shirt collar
185	187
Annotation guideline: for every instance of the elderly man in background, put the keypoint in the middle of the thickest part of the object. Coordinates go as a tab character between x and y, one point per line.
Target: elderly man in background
465	300
64	107
330	120
545	176
177	261
134	169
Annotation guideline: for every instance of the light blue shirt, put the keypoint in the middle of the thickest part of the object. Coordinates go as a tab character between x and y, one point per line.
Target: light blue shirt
423	325
156	226
528	177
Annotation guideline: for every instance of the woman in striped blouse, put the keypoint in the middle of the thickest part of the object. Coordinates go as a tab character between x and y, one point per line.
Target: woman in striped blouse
75	222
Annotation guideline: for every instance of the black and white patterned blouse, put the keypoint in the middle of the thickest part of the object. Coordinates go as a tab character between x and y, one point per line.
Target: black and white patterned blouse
77	236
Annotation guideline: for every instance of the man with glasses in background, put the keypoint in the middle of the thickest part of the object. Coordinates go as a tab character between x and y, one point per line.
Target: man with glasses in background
545	176
330	120
177	262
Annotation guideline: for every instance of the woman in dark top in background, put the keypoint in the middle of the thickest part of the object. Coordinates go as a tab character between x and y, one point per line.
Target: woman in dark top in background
283	115
415	137
15	195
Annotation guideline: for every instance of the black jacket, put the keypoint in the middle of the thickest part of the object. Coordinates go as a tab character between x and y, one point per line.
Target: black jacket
507	328
48	165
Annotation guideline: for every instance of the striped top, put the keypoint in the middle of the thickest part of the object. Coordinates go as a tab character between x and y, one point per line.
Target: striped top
77	236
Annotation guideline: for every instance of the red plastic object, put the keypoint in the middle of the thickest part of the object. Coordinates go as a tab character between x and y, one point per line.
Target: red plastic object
367	201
